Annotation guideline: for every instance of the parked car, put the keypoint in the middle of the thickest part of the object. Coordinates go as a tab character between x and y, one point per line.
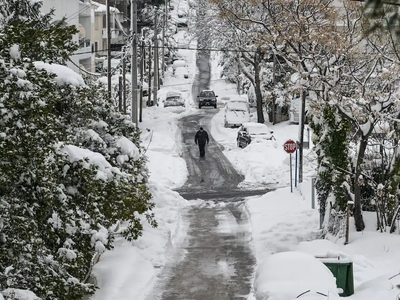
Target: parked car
295	275
179	63
181	72
236	113
183	9
234	98
174	99
238	98
207	98
253	132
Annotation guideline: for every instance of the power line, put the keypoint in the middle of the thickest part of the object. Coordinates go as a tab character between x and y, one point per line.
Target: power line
183	48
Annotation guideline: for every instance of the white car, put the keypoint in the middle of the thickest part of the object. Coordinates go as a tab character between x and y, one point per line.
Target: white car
234	98
295	276
236	113
179	63
181	72
174	99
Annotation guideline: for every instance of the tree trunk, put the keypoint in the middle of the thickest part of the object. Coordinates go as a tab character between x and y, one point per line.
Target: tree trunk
358	219
257	88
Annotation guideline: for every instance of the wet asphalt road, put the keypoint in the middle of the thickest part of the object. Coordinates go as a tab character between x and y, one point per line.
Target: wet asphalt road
215	261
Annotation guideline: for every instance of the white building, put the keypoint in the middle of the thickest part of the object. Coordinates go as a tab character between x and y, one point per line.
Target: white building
79	13
100	28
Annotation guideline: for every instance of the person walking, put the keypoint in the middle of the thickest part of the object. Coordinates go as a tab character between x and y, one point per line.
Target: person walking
201	139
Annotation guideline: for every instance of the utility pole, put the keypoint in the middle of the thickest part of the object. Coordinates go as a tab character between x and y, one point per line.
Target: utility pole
273	93
108	48
149	92
142	61
155	60
124	79
120	87
134	103
163	40
238	76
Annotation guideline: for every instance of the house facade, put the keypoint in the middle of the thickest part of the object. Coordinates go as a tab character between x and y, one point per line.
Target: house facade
78	13
99	29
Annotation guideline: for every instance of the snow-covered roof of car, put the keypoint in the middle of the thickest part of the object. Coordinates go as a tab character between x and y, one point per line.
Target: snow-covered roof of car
234	97
253	124
237	106
163	93
256	127
174	94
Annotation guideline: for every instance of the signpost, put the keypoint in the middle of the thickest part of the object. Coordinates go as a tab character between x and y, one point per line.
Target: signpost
290	147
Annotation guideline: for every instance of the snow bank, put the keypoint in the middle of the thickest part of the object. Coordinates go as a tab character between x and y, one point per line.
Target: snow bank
286	275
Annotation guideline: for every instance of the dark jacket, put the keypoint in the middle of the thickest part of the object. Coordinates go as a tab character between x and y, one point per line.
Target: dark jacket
201	137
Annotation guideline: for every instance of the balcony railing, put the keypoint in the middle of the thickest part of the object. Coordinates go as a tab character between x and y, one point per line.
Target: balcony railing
84	42
115	33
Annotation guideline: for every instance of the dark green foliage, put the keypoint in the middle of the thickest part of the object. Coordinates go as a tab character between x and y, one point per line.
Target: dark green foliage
56	208
331	134
38	37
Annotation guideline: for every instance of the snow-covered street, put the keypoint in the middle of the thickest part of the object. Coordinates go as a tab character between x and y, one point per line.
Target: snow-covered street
279	221
202	191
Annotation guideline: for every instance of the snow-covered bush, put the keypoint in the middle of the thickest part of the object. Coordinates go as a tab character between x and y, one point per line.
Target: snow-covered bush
71	166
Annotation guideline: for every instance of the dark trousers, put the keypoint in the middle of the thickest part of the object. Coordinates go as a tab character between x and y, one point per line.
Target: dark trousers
202	149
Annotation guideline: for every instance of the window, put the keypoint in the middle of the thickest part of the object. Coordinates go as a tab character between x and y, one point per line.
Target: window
97	22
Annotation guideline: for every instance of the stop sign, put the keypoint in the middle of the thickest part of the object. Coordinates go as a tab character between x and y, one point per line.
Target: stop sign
290	146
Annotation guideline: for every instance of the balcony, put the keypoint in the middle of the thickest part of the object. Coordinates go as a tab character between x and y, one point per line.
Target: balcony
85	49
115	33
84	9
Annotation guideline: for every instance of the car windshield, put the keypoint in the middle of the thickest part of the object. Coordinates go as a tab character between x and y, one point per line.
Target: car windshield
258	130
207	94
237	106
173	98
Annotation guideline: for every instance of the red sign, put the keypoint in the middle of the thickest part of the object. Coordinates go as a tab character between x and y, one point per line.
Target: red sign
290	146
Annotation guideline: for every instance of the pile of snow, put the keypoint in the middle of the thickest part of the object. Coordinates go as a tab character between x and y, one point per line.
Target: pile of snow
105	170
18	294
128	271
287	275
128	149
65	75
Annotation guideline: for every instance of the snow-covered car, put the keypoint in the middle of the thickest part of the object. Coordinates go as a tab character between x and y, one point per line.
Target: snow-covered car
238	98
236	113
181	72
183	9
234	98
179	63
295	275
253	132
174	99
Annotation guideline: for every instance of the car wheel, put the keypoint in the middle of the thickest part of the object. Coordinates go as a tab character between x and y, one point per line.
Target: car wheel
199	105
215	106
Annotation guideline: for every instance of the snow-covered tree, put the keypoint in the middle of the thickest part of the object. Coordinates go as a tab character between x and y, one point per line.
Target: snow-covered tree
72	166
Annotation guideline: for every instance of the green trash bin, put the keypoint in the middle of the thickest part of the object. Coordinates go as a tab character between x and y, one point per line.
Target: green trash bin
342	269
